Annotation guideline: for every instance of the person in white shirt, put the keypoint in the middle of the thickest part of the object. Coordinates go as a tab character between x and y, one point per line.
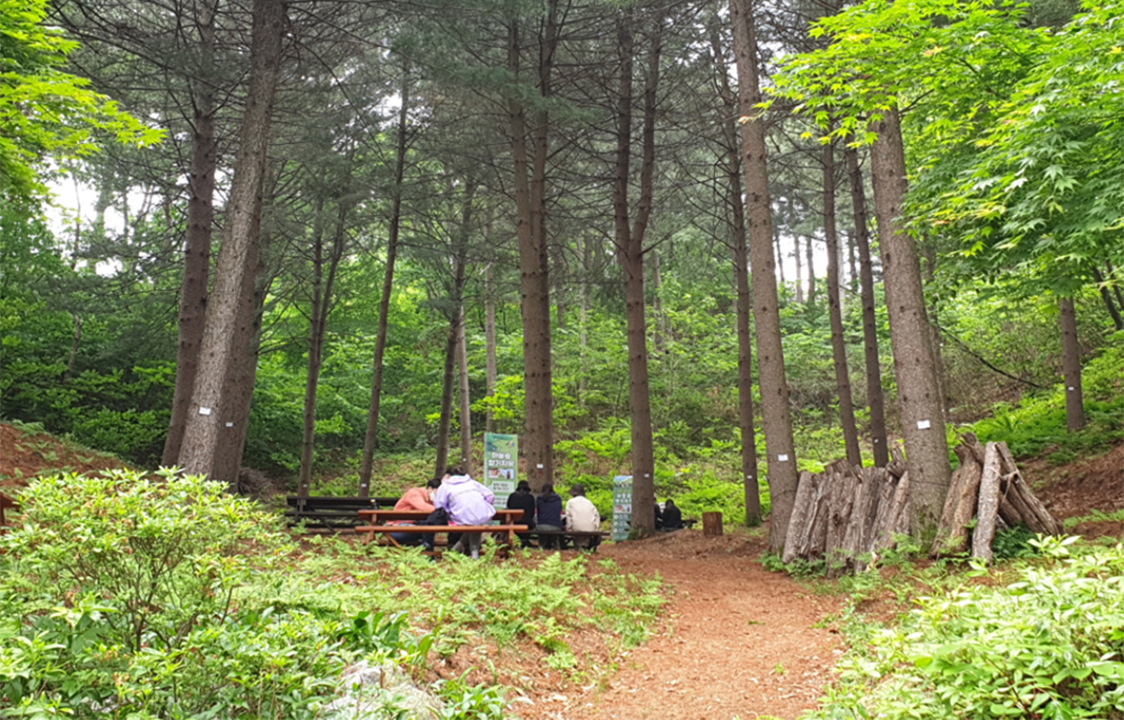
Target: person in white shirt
582	516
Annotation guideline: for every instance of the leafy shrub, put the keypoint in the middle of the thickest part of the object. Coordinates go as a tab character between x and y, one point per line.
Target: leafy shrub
1049	645
127	596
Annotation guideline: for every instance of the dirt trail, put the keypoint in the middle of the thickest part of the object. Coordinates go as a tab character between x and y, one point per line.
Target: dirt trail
740	642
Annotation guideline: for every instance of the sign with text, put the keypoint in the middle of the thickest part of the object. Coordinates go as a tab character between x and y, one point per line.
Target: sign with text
501	465
622	507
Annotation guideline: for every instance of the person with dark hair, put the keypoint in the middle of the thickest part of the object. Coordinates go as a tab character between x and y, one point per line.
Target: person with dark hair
672	516
467	502
415	499
523	499
582	516
548	507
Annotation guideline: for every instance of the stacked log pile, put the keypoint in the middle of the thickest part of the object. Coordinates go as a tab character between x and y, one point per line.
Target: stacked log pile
989	487
846	515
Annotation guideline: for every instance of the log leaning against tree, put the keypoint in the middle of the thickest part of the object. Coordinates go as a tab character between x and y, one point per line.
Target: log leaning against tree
988	508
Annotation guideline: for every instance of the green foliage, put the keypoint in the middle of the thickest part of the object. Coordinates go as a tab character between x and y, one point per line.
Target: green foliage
42	109
1038	424
136	597
542	599
1047	645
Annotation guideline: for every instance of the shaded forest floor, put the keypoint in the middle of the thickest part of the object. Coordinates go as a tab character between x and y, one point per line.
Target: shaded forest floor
737	640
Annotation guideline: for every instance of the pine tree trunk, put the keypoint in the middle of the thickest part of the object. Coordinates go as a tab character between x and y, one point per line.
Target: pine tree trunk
197	454
835	311
930	268
492	367
753	515
240	379
447	389
918	392
874	395
318	325
200	220
776	416
1071	364
809	248
799	269
530	198
465	397
370	438
629	239
1106	296
583	319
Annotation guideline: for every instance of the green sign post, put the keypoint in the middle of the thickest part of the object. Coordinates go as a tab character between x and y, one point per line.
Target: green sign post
501	465
622	507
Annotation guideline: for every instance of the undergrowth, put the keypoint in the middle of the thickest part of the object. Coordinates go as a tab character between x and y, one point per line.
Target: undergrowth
1044	638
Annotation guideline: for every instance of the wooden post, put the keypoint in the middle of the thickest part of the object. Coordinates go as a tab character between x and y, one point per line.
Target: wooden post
712	523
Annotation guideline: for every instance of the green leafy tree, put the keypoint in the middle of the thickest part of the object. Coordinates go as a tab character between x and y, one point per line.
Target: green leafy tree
43	110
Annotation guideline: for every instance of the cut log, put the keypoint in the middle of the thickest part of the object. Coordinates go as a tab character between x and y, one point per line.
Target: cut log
818	520
798	521
987	511
896	466
873	481
1008	513
951	501
1037	517
888	487
853	540
712	524
842	502
970	441
897	516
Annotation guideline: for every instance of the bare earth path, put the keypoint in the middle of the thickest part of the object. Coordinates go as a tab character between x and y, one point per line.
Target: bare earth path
741	641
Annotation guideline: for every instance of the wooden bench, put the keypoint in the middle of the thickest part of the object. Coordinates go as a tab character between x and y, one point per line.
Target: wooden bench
563	535
380	518
506	531
331	511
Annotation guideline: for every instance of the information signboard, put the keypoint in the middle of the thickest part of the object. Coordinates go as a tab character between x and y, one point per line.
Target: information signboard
622	507
501	465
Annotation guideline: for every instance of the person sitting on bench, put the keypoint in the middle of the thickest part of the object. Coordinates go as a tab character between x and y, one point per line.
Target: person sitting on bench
582	516
467	502
548	505
417	499
672	516
525	501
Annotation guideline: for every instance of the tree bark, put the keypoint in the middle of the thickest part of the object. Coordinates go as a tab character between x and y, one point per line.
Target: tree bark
1106	296
810	249
238	387
835	311
987	510
197	454
776	416
534	264
629	240
200	220
317	330
1071	364
799	269
370	438
874	394
918	393
753	514
465	397
491	365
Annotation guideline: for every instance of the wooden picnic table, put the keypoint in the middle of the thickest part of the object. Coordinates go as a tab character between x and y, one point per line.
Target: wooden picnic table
379	518
506	516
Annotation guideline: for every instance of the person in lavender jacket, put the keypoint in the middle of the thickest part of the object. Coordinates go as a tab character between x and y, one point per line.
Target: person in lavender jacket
467	502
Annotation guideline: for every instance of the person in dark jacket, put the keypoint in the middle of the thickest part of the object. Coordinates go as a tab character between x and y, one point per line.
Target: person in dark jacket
525	501
672	516
548	506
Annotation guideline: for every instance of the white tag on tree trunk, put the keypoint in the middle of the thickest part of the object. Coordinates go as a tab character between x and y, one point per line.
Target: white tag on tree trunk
539	466
923	425
1071	388
230	424
204	411
782	458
